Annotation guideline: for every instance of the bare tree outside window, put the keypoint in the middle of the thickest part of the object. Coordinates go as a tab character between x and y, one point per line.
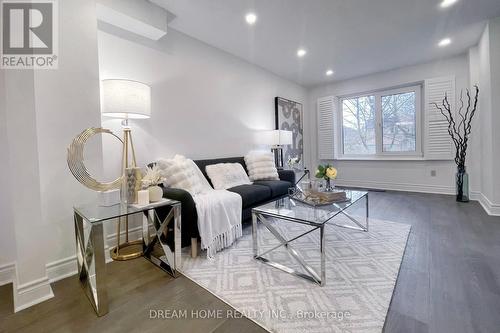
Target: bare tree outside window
359	125
399	122
384	122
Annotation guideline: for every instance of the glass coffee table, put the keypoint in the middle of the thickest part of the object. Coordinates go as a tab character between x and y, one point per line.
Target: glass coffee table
293	211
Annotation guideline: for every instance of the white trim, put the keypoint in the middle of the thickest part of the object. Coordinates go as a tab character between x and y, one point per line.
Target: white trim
66	267
7	273
490	208
133	234
381	158
61	269
31	293
39	290
406	187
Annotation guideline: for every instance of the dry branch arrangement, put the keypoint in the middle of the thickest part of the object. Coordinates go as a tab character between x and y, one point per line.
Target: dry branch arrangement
460	131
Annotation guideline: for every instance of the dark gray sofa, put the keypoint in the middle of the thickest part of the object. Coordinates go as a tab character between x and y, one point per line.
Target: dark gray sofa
252	195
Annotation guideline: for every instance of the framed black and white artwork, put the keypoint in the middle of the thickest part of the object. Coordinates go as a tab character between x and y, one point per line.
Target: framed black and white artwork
289	117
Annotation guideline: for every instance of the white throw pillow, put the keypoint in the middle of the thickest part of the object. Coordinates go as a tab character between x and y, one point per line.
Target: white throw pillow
227	175
261	166
180	172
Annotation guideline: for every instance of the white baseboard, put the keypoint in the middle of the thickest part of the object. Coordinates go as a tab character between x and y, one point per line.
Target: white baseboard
39	290
488	206
406	187
31	293
60	269
63	268
7	273
134	233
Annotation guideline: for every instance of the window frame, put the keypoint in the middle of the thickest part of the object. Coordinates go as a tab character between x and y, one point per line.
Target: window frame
379	153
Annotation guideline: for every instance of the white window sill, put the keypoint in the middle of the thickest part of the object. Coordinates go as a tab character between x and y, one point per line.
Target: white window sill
380	158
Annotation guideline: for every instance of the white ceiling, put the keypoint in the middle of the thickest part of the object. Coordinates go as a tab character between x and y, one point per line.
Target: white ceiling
352	37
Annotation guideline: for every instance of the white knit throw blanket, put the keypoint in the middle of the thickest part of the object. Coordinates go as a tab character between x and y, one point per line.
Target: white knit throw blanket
219	215
219	219
219	211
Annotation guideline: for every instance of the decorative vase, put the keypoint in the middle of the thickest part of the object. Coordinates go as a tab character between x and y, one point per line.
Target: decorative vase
328	187
155	193
462	185
133	178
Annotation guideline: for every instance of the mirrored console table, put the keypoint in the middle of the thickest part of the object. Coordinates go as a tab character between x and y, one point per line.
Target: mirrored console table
162	247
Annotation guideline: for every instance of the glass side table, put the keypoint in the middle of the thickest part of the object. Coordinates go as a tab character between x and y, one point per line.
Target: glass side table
162	249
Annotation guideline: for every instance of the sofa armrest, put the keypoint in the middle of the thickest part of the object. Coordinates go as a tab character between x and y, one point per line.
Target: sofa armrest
287	175
188	210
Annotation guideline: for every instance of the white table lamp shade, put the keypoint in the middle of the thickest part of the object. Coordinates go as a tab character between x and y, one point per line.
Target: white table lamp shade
286	137
277	137
125	99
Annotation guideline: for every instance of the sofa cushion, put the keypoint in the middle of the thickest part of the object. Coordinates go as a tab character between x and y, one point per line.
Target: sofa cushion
227	175
278	187
202	164
252	194
261	166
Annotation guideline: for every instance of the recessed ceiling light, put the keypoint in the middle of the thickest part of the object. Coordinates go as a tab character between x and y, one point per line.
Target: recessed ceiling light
329	72
251	18
444	42
301	53
447	3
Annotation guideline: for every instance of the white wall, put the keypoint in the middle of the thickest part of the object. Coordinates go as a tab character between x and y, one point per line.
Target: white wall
7	238
494	26
484	83
205	102
44	110
67	102
485	72
399	175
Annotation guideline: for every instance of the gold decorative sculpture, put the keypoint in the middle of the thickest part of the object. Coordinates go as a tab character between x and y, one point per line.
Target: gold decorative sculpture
128	249
76	161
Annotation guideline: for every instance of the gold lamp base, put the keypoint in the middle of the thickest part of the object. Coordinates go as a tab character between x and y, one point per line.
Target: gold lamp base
127	251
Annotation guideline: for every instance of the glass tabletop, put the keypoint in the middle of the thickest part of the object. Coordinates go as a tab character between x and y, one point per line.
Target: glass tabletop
290	209
95	213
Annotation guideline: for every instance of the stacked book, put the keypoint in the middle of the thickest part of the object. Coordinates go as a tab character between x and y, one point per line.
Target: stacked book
334	196
314	198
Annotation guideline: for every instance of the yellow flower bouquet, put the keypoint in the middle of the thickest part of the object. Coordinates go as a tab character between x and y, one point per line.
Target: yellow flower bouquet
327	172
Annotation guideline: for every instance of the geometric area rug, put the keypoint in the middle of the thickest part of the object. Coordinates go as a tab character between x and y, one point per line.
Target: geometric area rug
361	273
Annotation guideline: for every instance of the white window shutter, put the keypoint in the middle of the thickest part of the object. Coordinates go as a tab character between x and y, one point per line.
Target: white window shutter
438	144
326	127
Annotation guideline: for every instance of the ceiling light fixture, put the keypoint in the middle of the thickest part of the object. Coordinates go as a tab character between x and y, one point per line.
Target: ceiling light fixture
329	72
301	53
251	18
447	3
444	42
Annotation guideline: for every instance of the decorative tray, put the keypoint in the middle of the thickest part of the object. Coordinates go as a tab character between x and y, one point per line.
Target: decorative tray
322	198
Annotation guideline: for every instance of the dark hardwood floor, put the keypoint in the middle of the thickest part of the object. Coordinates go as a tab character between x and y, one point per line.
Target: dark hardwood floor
449	281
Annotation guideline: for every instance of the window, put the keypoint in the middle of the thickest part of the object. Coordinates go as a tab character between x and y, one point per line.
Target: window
359	125
382	123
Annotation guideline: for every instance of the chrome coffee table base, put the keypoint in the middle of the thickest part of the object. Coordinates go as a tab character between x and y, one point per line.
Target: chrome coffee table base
313	275
261	214
359	226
